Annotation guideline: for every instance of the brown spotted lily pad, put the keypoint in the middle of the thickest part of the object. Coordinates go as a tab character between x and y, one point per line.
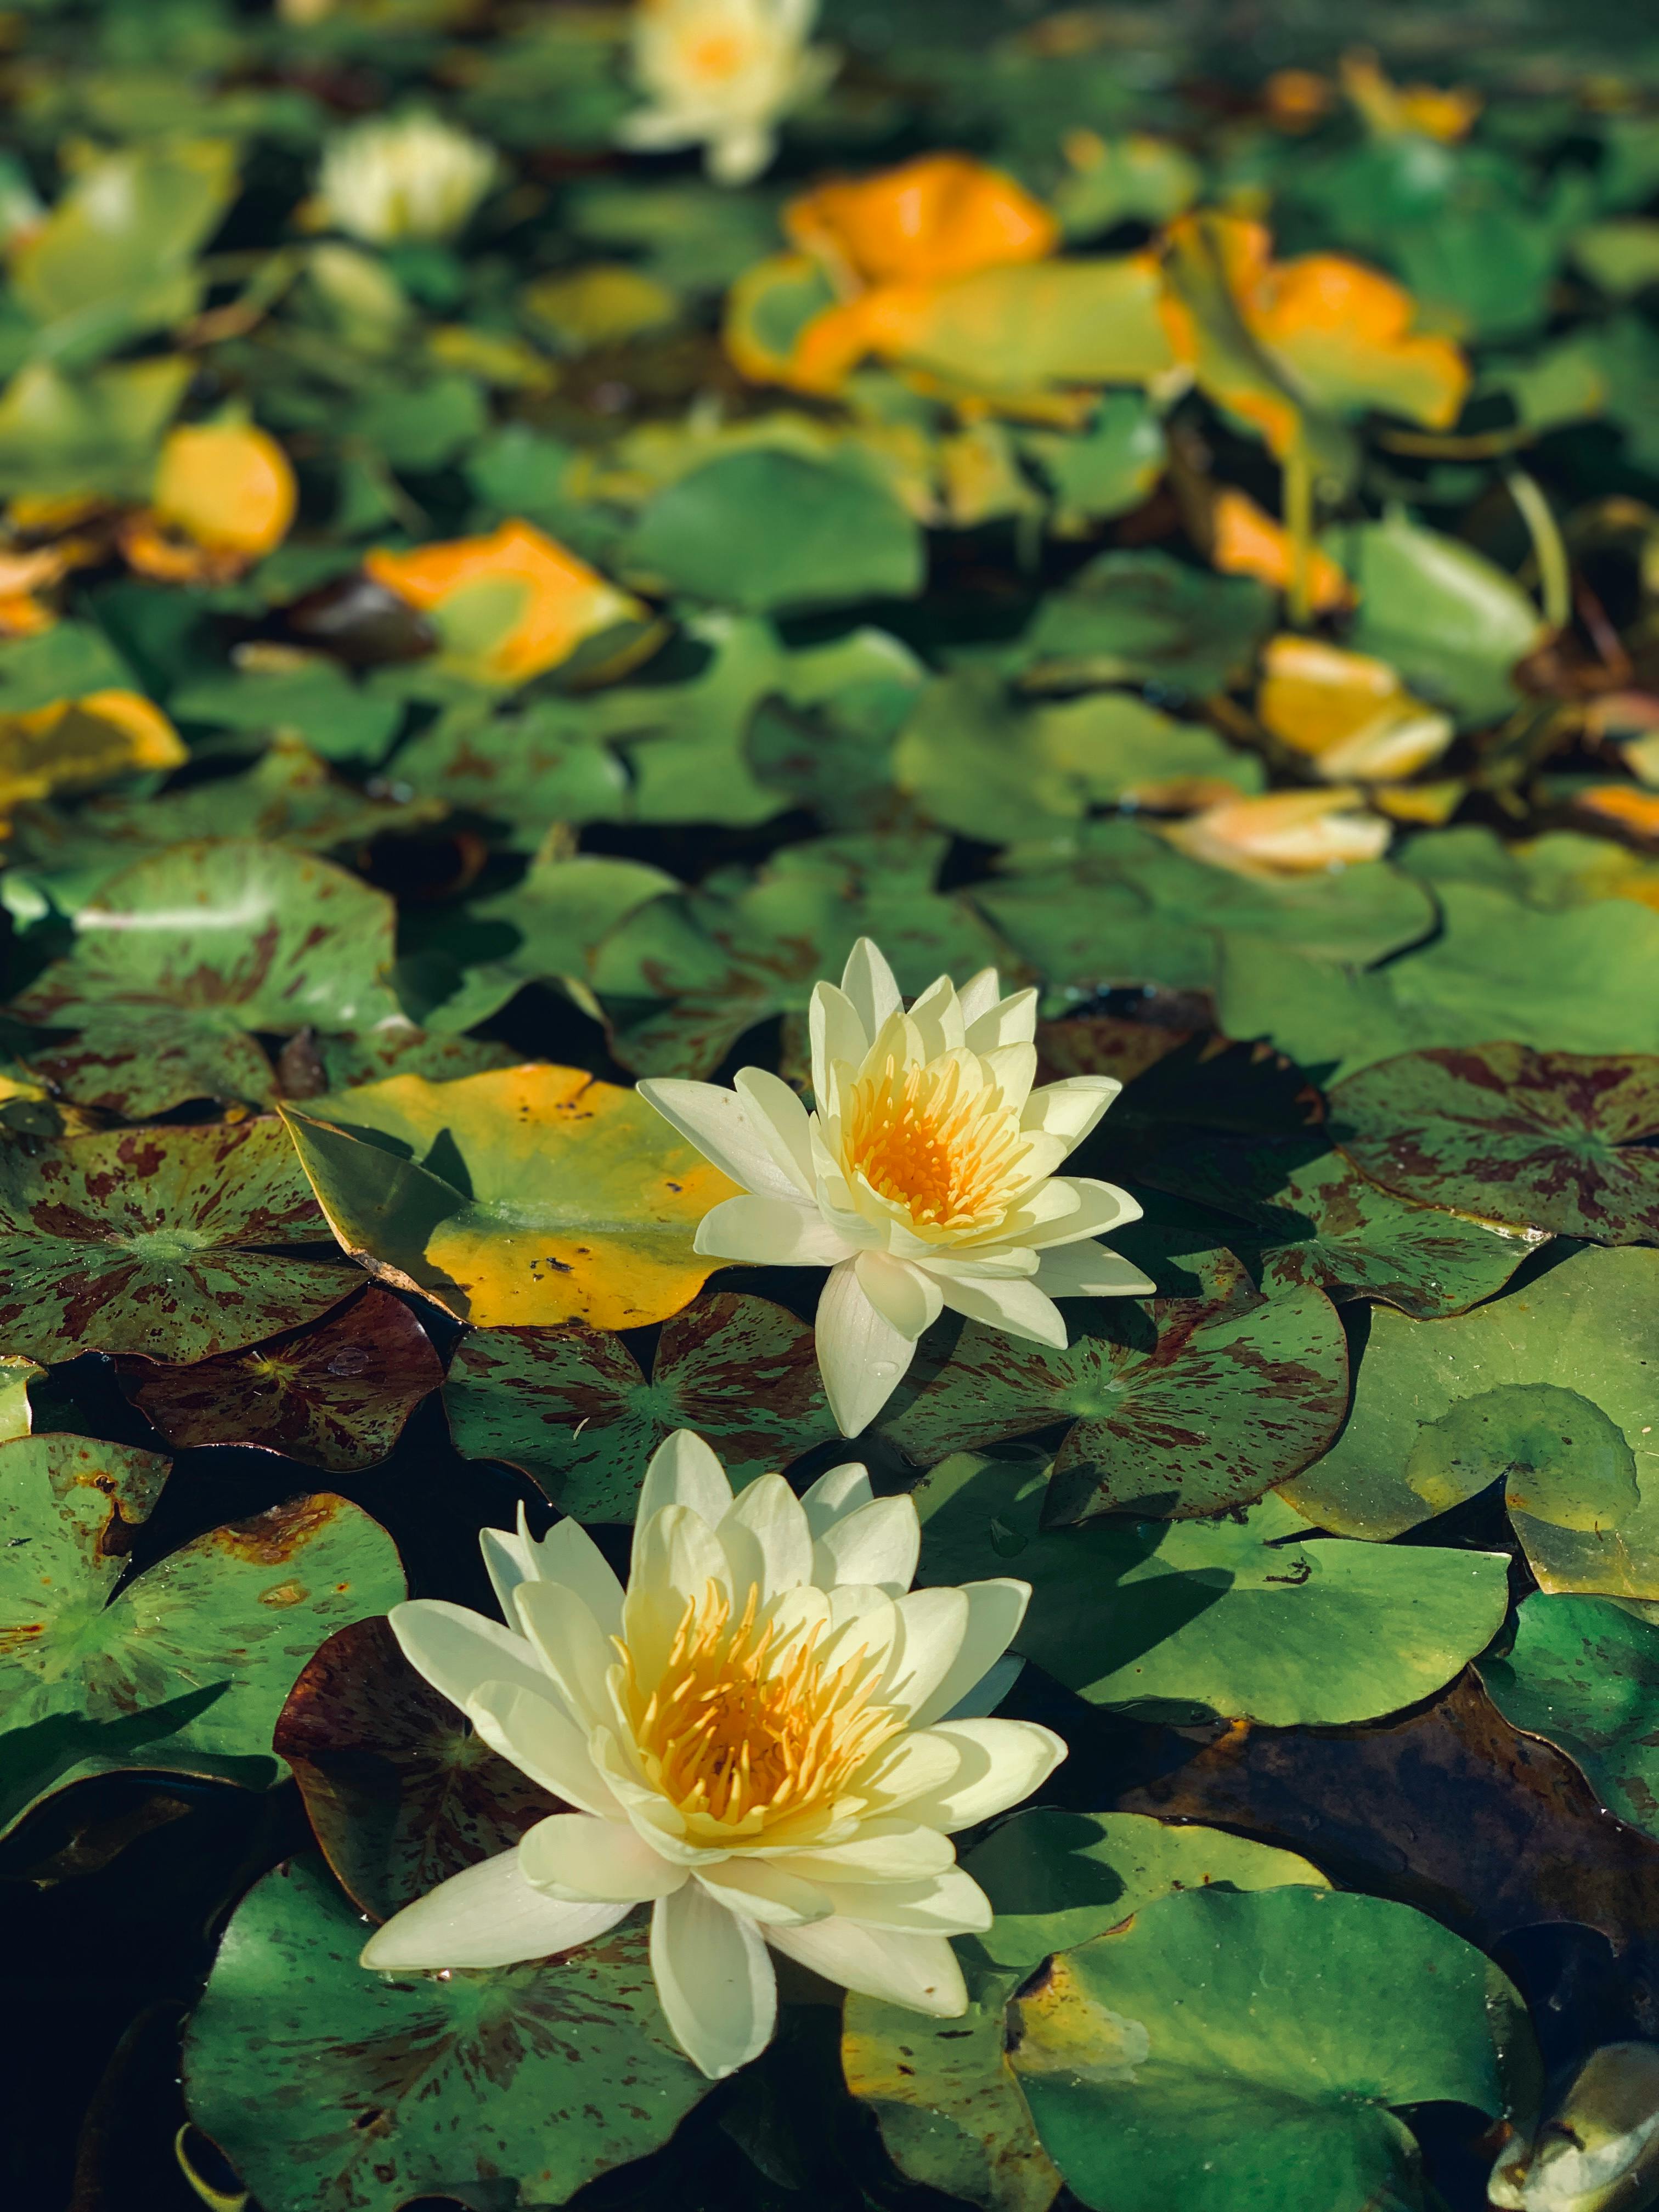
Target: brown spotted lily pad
156	1241
400	1791
572	1408
1551	1140
334	1395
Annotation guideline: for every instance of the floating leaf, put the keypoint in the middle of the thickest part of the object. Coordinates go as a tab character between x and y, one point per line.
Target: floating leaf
1130	617
181	958
1238	1617
572	1407
945	2096
185	1669
1229	2049
1556	1141
400	1791
329	2090
1549	1390
1582	1674
17	1414
157	1242
318	702
1177	1405
529	1195
334	1395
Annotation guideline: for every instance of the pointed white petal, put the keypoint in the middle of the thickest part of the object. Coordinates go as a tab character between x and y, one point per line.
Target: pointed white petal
1000	1764
770	1232
543	1742
582	1860
949	1903
677	1556
489	1915
568	1554
979	997
904	1295
1019	1309
1070	1109
1088	1270
932	1625
778	1119
762	1890
880	1544
683	1471
995	1610
509	1558
1006	1021
767	1540
988	1693
713	1119
862	1358
918	1971
936	1022
896	1849
842	1490
838	1036
570	1644
1100	1206
714	1981
457	1650
870	986
914	1764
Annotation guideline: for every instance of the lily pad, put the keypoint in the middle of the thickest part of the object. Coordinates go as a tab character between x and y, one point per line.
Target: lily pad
1557	1141
944	2093
1243	1618
1134	618
400	1791
329	2090
574	1409
1244	2051
157	1242
181	958
523	765
184	1669
334	1395
1583	1675
1176	1406
529	1195
1548	1389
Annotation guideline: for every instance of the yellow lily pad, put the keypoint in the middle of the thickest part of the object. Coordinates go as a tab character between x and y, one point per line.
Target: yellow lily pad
75	745
523	1197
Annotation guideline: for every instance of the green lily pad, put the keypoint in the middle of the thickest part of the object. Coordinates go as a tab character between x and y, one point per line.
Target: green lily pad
17	1414
334	1395
1317	1221
1241	1618
158	1242
685	977
1548	1389
1583	1675
527	1195
181	958
399	1792
1244	2051
185	1669
574	1409
767	529
1104	470
522	766
1133	617
330	2089
1556	1141
945	2093
1176	1406
980	764
552	921
320	705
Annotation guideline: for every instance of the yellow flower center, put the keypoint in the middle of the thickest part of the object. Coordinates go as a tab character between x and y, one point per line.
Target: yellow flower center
722	54
947	1153
747	1723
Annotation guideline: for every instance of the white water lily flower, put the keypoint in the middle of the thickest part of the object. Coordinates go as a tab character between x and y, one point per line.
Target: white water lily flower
413	177
720	74
755	1734
926	1178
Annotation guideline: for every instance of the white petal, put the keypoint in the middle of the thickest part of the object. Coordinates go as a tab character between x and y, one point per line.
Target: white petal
871	987
489	1915
949	1903
568	1554
1070	1109
914	1765
896	1849
458	1651
575	1856
880	1544
714	1981
683	1471
862	1358
767	1540
1019	1309
713	1119
837	1035
1099	1206
542	1741
842	1490
770	1232
1007	1021
762	1890
995	1610
571	1645
778	1118
936	1021
979	997
1088	1270
1000	1764
509	1558
905	1296
737	155
677	1556
933	1623
918	1971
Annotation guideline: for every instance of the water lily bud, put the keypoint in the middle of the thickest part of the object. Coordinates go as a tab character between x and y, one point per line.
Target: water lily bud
1598	2149
412	178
